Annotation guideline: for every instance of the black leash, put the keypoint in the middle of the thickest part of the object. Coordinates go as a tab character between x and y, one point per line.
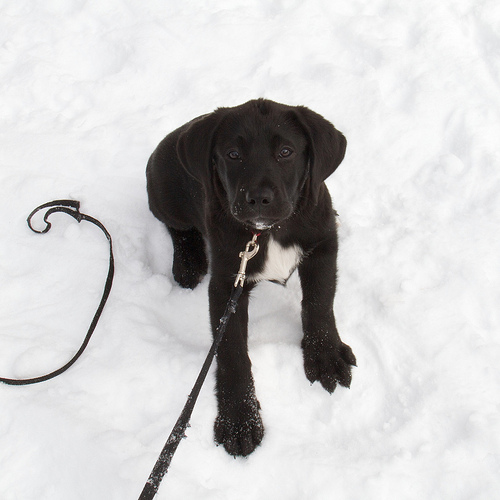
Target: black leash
71	208
179	430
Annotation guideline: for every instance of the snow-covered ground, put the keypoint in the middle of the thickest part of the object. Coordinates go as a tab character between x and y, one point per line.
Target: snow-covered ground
88	89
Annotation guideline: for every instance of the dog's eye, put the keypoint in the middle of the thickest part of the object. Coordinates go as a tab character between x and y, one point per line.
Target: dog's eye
285	152
233	154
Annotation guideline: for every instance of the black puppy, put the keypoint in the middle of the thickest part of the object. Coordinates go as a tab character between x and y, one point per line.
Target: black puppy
254	168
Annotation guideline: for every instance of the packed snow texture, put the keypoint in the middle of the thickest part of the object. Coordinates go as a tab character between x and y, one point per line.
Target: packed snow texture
89	88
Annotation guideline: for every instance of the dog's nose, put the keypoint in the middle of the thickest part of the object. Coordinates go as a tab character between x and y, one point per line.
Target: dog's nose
260	196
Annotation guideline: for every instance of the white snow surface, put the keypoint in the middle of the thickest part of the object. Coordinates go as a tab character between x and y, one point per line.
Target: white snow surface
88	89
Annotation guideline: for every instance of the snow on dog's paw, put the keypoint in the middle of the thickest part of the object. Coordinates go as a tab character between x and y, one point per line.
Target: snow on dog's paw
239	428
327	363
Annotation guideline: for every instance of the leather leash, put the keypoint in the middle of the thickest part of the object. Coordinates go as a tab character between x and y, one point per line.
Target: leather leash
71	208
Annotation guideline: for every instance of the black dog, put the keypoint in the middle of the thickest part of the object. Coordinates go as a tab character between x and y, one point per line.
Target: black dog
254	168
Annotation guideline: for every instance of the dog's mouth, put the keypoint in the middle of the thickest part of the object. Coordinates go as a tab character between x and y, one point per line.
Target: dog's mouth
260	225
261	219
254	221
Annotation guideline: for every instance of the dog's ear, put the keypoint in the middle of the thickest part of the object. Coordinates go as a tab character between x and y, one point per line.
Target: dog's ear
326	147
195	144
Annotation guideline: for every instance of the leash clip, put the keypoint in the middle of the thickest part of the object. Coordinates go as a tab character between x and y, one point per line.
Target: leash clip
251	250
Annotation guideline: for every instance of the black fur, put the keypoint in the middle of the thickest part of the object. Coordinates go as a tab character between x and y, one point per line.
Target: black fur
215	181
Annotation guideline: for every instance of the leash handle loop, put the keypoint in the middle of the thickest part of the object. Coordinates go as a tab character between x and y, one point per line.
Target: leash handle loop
72	208
55	206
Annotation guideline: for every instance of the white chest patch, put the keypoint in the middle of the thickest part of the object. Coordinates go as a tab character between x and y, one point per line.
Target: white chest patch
280	263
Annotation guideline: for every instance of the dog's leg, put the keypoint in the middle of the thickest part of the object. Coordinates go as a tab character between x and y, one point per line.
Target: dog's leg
190	261
326	357
238	425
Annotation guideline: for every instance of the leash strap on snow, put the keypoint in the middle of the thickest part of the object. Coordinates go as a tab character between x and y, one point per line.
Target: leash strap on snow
179	430
71	208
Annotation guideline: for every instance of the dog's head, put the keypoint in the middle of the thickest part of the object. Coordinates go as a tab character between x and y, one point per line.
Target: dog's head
261	158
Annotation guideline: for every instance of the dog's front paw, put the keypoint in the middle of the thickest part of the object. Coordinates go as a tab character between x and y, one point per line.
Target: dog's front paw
187	277
239	427
327	362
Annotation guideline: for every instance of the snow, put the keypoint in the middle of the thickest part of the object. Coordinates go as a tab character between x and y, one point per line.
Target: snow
88	89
